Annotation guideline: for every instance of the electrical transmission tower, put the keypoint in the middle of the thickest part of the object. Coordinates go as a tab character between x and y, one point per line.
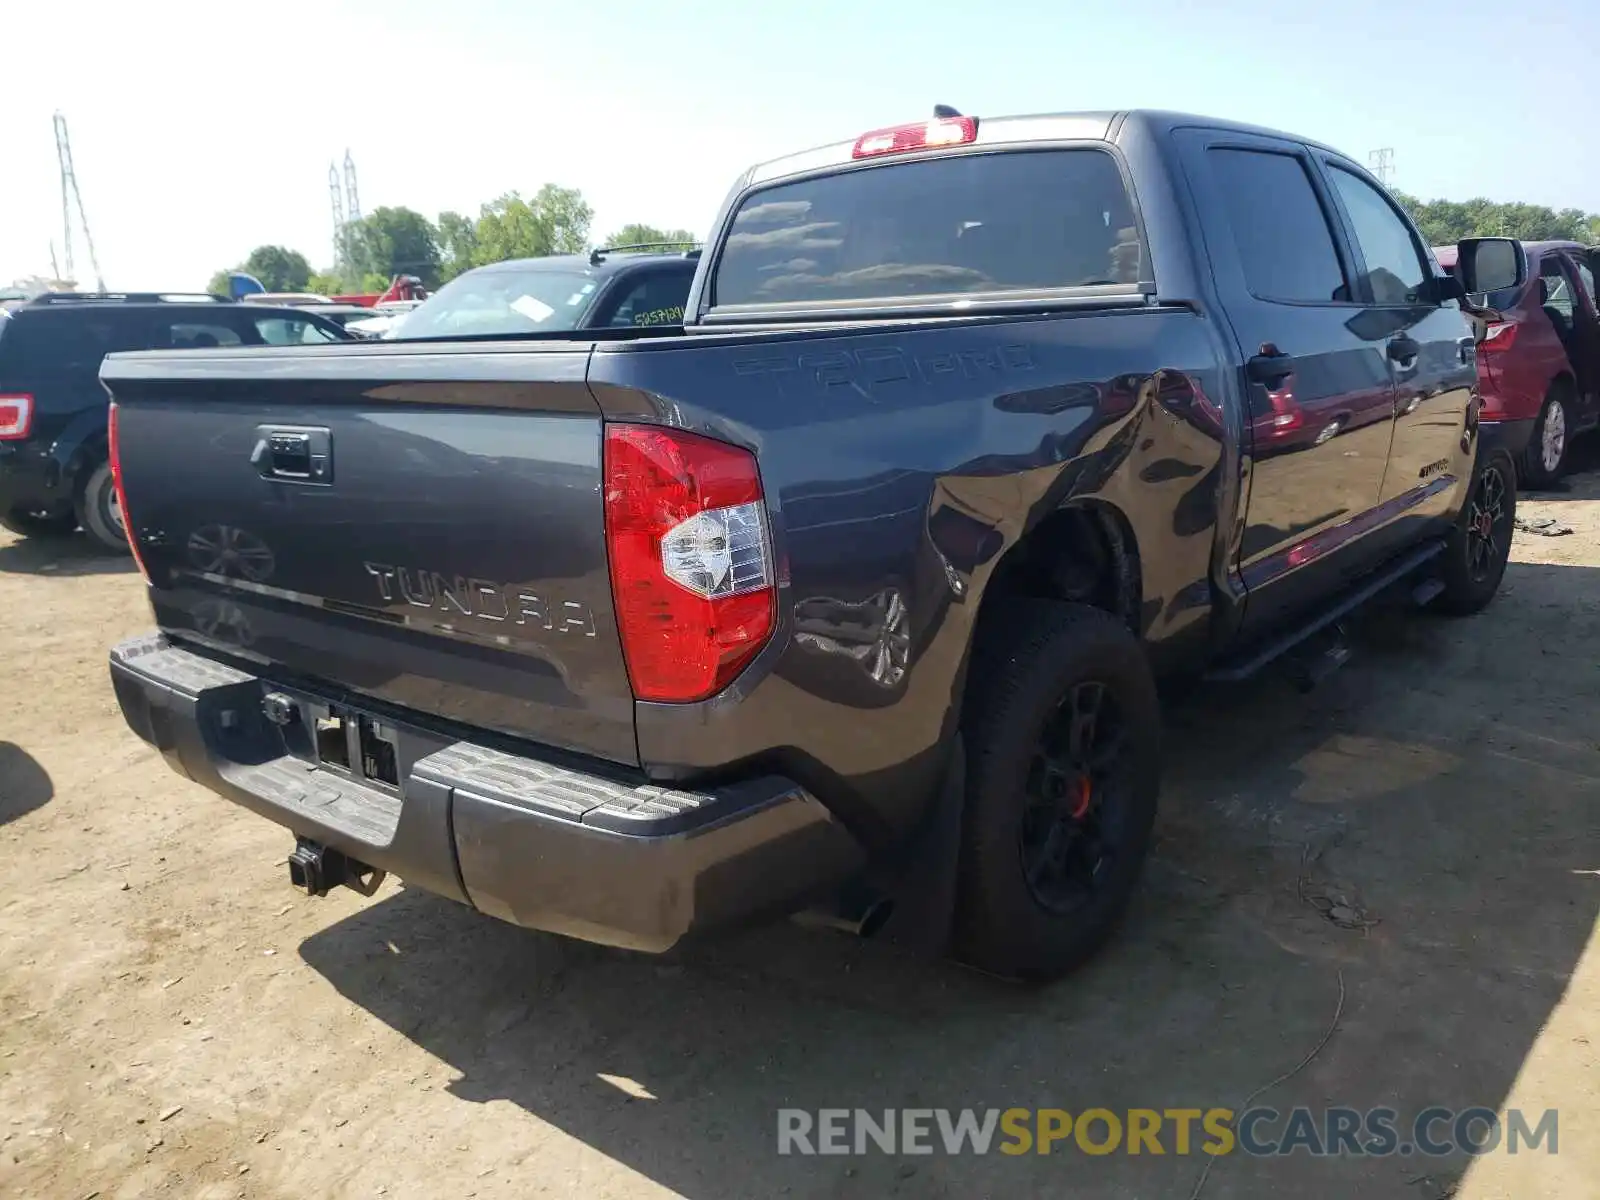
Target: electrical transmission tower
336	195
69	197
352	203
346	204
1382	164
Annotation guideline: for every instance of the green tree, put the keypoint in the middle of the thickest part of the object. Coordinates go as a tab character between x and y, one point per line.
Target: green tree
279	269
1445	222
458	244
394	241
219	282
555	221
640	235
325	283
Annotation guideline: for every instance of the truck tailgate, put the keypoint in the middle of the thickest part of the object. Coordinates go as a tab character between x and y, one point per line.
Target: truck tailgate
351	520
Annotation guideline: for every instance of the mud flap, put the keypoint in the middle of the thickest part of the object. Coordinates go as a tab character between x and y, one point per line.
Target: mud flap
924	884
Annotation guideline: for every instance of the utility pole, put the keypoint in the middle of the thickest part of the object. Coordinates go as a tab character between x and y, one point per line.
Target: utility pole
70	196
1383	164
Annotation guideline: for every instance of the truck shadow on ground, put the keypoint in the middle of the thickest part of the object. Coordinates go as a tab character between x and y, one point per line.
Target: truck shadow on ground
24	784
63	555
1438	792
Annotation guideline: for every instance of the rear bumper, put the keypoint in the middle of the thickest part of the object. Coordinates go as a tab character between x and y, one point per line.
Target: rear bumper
31	480
540	844
1507	435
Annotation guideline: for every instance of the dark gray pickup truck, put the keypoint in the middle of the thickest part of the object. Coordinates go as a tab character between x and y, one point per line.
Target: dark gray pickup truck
853	593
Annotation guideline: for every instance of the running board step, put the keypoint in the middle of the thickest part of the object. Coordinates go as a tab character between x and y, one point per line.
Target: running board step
1427	591
1234	670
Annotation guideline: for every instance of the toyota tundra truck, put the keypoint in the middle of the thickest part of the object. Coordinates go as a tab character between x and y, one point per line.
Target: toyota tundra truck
850	596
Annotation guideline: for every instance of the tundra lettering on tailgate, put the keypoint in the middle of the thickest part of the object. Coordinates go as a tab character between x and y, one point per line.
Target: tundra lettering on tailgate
480	599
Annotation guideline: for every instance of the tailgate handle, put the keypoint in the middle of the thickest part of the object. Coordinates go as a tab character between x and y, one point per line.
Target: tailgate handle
294	454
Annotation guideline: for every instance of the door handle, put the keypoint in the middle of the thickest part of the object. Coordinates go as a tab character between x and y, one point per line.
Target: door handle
1269	370
293	454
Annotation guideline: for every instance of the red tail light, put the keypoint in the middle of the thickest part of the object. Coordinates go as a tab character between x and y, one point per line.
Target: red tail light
691	559
924	135
1498	337
16	417
114	449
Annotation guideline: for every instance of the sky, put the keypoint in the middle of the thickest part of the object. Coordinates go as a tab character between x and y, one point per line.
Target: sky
203	128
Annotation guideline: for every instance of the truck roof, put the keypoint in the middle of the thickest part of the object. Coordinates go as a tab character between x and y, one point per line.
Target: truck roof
1101	126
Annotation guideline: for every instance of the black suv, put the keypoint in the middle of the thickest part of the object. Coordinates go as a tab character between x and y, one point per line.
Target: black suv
53	470
615	287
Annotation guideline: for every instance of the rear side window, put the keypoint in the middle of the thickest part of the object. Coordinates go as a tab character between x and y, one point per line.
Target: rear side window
199	335
1018	221
1285	245
74	339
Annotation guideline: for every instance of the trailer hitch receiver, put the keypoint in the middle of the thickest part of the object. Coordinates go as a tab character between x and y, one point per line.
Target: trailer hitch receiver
316	869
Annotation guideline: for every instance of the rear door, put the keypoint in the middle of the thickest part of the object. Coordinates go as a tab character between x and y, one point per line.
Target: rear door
1320	395
1427	346
1583	345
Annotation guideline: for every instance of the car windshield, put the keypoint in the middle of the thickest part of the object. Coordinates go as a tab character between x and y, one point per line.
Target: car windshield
502	301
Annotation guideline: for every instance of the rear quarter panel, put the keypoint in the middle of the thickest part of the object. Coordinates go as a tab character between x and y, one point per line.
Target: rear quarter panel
900	465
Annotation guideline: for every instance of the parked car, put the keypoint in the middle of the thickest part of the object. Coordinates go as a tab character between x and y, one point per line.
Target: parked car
1539	361
615	287
54	474
853	591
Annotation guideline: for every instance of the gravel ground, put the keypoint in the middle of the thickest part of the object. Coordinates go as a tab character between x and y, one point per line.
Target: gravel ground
1419	835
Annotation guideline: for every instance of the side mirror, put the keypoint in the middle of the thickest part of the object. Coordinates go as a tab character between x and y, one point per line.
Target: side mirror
1490	264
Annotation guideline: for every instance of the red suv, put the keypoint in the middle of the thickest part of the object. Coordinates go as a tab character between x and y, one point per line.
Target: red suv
1539	360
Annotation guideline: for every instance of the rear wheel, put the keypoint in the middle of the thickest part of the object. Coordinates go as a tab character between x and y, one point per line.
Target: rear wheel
99	512
26	524
1545	459
1480	545
1063	740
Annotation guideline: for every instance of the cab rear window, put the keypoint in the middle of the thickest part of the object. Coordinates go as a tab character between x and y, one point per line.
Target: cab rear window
961	225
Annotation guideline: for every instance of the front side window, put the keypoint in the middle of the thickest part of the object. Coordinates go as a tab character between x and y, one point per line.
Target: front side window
1285	246
1395	268
1013	221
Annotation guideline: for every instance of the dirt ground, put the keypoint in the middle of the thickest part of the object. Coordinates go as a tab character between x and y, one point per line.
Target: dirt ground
175	1021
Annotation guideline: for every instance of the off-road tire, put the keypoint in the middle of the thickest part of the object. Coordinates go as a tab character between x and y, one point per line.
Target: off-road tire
1030	657
1472	575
